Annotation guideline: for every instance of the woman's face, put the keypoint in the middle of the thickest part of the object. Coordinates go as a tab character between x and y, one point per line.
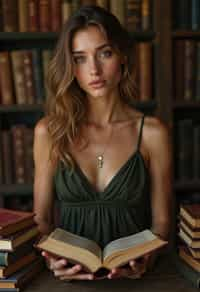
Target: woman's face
97	66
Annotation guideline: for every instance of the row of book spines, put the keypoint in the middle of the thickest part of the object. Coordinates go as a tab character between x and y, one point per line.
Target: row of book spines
22	76
49	15
187	141
186	14
16	155
187	70
25	71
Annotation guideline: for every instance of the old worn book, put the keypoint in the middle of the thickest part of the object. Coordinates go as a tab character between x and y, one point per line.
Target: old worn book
78	249
19	264
22	277
192	242
13	241
195	252
191	213
14	220
188	258
192	232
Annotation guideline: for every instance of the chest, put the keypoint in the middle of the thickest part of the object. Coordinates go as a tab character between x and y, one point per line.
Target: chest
115	151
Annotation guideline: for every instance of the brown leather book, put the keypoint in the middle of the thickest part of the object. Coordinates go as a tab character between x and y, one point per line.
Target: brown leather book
145	70
189	70
178	58
191	213
29	165
66	10
44	15
23	15
10	15
19	153
6	83
33	16
56	17
17	58
146	14
133	15
12	221
28	76
188	258
6	144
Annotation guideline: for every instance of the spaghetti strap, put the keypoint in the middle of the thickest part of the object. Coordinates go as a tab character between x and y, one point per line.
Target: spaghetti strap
140	133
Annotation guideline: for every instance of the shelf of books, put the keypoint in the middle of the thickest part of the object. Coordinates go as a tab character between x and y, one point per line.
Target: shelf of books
27	39
186	120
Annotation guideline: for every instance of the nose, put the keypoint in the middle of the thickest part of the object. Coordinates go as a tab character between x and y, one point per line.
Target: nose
95	67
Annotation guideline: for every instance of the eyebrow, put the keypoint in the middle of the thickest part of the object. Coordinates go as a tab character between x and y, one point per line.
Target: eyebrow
98	48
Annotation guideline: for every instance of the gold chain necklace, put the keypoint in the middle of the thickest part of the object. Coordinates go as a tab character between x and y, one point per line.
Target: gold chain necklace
100	157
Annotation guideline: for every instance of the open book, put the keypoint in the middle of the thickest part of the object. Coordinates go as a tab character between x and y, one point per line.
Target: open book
78	249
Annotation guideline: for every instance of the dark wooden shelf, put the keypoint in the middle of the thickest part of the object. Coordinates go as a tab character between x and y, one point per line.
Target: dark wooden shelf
186	104
16	189
21	108
182	34
143	35
191	185
20	36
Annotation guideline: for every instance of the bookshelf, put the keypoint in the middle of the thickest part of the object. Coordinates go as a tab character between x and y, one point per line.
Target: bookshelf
30	113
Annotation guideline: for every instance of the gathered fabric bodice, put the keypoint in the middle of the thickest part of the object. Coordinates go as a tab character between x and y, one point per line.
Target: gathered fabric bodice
121	209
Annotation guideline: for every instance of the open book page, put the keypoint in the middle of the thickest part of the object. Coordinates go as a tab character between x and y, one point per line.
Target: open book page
127	242
76	240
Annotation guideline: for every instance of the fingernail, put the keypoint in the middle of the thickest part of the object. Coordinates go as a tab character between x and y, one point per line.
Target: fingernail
91	277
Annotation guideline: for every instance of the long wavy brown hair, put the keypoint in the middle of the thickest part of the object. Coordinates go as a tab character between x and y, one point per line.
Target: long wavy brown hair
66	105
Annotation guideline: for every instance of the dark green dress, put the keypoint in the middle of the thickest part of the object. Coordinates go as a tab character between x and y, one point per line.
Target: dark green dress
123	208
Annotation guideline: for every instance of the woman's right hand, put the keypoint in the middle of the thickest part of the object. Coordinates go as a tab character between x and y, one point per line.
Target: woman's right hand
61	271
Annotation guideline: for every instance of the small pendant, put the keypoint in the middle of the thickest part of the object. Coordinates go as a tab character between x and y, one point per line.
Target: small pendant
100	161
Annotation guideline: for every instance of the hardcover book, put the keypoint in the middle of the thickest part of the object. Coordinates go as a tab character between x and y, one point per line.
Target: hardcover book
12	220
78	249
191	213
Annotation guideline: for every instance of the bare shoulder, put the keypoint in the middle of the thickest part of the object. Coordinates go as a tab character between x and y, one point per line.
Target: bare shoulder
41	129
156	133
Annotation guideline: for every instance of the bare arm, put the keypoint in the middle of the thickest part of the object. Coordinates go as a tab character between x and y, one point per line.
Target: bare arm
160	167
43	180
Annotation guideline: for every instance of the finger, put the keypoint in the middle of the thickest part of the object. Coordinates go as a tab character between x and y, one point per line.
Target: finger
57	264
78	277
114	274
68	271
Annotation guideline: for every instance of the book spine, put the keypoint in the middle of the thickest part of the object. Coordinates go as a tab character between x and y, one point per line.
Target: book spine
146	15
18	153
195	14
103	3
17	59
44	15
33	17
196	151
179	68
189	70
118	9
46	57
29	165
38	75
6	82
28	76
1	16
145	70
184	149
66	10
6	144
183	14
197	72
133	15
23	15
10	15
1	160
56	18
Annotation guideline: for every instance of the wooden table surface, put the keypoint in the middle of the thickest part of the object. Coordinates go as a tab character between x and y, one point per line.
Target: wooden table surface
164	278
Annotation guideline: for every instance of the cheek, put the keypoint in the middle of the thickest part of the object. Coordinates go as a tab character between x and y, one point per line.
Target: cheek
113	71
80	75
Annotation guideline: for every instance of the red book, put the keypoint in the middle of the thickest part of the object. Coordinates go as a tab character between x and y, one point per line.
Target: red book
56	16
12	221
44	15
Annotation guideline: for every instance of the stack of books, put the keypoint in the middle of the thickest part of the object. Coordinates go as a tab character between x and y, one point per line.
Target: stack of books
189	232
19	261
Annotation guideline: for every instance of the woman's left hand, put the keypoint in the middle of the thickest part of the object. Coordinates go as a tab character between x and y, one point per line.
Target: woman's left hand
135	268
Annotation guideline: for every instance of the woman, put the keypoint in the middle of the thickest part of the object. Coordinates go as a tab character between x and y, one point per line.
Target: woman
108	164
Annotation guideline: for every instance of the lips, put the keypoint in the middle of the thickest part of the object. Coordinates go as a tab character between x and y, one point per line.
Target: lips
97	83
